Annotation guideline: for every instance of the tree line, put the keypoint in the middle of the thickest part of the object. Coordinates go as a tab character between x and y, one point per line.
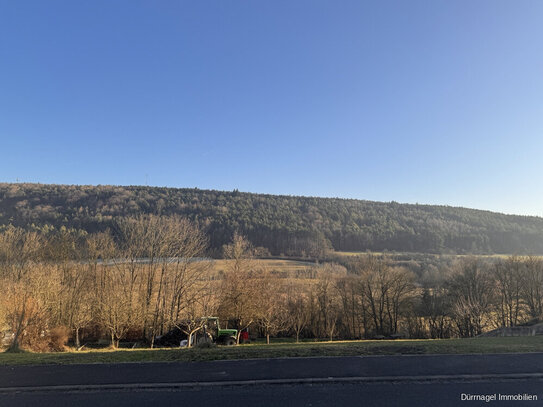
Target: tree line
149	277
289	225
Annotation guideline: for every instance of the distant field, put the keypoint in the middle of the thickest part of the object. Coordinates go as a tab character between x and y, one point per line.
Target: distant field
496	256
349	254
277	350
274	265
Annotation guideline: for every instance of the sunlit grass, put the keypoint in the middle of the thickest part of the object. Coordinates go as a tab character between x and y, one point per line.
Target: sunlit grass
269	264
281	349
489	256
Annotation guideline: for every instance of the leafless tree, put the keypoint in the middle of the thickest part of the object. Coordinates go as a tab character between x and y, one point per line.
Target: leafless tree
532	286
160	254
271	311
385	292
435	309
471	290
297	309
116	314
199	301
327	298
18	248
29	303
239	288
507	277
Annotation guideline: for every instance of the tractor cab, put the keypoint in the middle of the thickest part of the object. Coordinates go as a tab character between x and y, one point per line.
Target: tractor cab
211	329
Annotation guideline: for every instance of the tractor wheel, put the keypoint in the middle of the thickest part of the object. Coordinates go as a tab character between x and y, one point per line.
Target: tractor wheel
230	341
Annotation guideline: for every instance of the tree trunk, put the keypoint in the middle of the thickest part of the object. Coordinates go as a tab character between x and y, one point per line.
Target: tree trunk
14	347
77	342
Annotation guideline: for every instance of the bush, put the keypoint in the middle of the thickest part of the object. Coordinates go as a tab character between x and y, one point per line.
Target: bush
58	337
53	340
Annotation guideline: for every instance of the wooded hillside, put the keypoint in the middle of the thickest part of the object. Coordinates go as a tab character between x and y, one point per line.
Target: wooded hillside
289	225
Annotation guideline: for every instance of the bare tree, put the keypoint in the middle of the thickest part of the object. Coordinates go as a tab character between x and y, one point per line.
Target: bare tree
508	285
29	304
198	302
271	305
297	308
532	286
18	248
470	288
351	303
115	312
160	254
141	240
328	305
435	308
385	291
183	281
239	290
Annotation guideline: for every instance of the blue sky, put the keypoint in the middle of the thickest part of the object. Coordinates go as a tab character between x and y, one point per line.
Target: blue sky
436	102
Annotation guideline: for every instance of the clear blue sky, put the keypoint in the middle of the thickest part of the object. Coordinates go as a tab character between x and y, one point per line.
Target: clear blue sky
431	101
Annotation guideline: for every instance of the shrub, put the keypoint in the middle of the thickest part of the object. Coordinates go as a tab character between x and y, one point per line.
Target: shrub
58	337
53	340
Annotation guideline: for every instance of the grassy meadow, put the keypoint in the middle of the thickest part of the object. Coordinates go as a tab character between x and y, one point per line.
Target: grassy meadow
282	349
272	265
415	254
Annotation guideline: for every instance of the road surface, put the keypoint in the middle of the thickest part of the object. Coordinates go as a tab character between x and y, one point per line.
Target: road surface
414	380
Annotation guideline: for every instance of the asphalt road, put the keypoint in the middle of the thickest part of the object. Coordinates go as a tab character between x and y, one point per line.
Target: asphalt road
330	394
437	380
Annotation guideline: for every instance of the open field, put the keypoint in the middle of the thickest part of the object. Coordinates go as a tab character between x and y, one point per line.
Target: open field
285	349
352	254
284	268
415	254
285	265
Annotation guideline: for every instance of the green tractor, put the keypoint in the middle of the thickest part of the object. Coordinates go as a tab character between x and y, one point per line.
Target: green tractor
211	332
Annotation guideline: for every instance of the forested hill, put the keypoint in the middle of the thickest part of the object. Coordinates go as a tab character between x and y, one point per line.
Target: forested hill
283	224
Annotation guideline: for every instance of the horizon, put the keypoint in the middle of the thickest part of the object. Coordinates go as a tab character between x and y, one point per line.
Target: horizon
429	103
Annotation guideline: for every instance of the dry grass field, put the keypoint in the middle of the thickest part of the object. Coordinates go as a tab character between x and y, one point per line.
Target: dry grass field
270	264
458	256
281	267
